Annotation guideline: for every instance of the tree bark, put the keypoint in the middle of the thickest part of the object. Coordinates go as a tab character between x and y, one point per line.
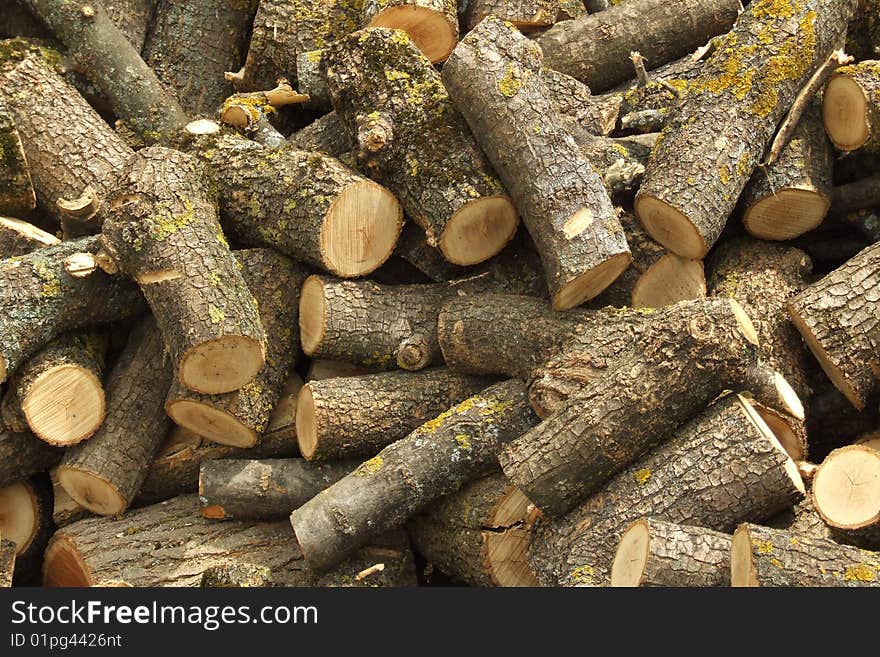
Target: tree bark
851	106
494	79
19	237
596	114
327	134
846	494
436	459
801	520
358	416
17	195
525	15
133	17
310	80
728	117
263	490
162	230
23	455
432	25
236	575
7	563
863	35
697	478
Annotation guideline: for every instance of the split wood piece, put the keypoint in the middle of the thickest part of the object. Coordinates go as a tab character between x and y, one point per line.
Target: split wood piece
595	114
839	318
761	556
175	471
791	431
436	459
857	195
525	15
863	35
478	535
102	51
306	205
595	48
851	106
247	110
59	392
311	81
19	237
673	373
791	196
322	368
263	490
96	551
846	493
16	189
105	473
236	575
192	43
41	300
65	509
654	552
282	419
432	25
7	562
763	278
697	478
26	520
327	134
801	520
240	417
334	421
655	277
494	78
728	119
411	139
162	230
23	455
77	151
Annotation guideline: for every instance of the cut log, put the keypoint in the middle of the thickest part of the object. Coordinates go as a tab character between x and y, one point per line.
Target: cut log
697	478
19	237
41	300
282	419
791	431
670	376
436	459
596	114
239	418
7	562
308	206
358	416
263	490
413	247
251	111
839	318
761	556
846	493
525	15
411	139
26	520
801	520
105	473
102	51
728	118
65	509
595	48
96	551
23	455
327	134
654	552
432	25
493	76
311	81
16	189
478	535
162	230
792	195
851	106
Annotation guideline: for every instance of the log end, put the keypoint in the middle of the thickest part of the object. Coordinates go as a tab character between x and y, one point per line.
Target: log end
430	30
786	214
846	487
845	113
742	568
669	280
19	514
479	230
221	365
791	467
790	432
64	405
91	491
591	283
631	558
306	423
63	565
670	227
312	315
505	549
28	231
211	423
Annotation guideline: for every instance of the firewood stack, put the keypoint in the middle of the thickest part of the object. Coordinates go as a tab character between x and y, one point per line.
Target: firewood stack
413	292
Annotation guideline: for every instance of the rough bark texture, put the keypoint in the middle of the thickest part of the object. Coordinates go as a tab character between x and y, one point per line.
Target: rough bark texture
672	374
763	277
717	134
595	48
863	35
866	76
839	318
236	575
357	416
263	490
310	80
7	563
801	520
22	455
119	454
697	478
327	134
410	137
40	300
19	237
431	24
774	557
132	17
162	230
17	195
414	248
494	79
525	15
436	459
123	551
275	283
192	43
595	114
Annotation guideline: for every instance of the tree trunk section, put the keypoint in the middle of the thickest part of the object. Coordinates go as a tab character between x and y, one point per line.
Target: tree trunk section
432	25
23	455
19	237
851	106
7	563
327	134
525	15
846	494
17	195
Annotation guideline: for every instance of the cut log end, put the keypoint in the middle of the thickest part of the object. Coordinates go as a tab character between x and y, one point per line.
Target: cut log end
506	551
63	566
312	312
846	487
64	405
629	564
429	30
669	280
306	424
591	283
221	365
28	231
742	568
360	230
236	116
479	230
671	228
91	491
787	435
845	113
744	322
789	213
211	423
19	515
791	467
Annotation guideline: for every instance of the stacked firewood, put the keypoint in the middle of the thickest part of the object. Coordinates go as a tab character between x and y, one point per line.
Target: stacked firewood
268	316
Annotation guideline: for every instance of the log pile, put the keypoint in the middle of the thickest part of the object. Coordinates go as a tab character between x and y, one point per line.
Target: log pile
391	293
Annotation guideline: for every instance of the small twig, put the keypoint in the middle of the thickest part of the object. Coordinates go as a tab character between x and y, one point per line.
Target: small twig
366	572
638	63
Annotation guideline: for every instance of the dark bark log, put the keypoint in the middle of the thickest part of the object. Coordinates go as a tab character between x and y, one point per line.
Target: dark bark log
832	421
434	460
414	248
327	134
18	22
411	139
494	79
26	520
846	494
321	368
17	195
310	80
851	106
236	575
133	18
801	520
858	195
432	25
525	15
22	455
863	35
19	237
263	490
7	563
728	117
